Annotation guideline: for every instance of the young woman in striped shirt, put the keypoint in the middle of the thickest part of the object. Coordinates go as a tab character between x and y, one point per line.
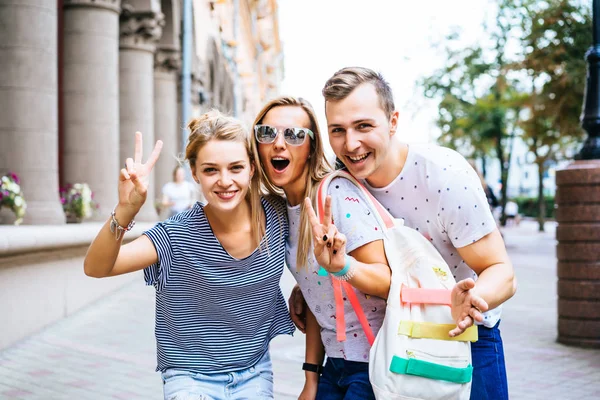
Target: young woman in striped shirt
292	163
215	268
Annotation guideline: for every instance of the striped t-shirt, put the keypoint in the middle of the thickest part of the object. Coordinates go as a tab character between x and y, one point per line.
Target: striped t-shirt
216	313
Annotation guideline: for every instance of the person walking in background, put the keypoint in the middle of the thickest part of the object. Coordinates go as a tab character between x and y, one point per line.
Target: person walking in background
489	193
180	194
215	269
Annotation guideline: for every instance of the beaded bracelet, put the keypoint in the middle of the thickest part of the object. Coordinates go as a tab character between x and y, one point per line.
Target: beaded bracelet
116	228
346	273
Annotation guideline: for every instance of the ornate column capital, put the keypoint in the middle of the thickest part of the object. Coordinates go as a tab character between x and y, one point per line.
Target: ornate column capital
167	60
113	5
140	30
199	94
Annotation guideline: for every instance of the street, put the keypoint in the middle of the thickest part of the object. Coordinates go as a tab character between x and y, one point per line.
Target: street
107	350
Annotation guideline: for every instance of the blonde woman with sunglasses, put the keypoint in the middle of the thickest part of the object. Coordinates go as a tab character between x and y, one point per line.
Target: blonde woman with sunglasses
291	163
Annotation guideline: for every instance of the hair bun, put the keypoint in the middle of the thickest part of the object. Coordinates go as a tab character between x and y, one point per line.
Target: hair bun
204	121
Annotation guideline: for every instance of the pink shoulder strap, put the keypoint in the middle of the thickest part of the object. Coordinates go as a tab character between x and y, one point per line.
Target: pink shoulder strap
382	214
385	220
425	296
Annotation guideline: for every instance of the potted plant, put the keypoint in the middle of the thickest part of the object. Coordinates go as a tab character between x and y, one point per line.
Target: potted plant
11	196
78	202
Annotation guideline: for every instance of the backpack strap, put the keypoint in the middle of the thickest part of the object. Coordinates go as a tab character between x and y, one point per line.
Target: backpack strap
358	311
412	366
340	319
425	296
385	220
429	330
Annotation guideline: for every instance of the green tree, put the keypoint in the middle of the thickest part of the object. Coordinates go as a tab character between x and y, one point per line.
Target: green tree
490	97
479	109
557	34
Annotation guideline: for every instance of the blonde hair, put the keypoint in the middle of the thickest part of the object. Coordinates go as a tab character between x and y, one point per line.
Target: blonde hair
317	164
216	126
343	82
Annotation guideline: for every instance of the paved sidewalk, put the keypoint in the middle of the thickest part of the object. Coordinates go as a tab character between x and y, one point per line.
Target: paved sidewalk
537	366
107	350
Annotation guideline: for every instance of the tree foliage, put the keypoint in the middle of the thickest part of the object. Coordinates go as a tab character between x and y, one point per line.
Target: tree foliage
480	108
558	33
490	96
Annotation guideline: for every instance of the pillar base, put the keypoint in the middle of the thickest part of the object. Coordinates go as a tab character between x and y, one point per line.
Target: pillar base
578	254
147	213
44	213
584	343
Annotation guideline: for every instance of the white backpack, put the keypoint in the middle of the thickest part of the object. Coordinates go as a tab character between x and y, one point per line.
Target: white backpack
412	356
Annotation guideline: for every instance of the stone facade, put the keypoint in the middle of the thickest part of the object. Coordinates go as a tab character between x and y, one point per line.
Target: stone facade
253	50
74	90
29	104
116	69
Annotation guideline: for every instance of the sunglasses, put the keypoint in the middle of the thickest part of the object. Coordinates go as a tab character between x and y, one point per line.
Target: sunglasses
267	134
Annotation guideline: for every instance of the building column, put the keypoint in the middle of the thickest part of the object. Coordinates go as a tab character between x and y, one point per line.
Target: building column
167	63
578	253
29	105
139	33
91	98
198	105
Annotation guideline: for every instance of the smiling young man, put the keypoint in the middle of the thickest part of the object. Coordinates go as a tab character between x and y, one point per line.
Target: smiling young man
436	192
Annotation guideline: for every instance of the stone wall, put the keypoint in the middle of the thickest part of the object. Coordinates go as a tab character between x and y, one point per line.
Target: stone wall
42	278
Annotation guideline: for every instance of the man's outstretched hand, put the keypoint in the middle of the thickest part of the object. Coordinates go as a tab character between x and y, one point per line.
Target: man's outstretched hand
467	307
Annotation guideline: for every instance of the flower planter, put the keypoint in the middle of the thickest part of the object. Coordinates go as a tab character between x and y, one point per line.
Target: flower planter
74	219
7	216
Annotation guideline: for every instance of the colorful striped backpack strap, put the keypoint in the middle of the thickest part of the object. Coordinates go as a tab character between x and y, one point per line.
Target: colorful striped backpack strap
385	220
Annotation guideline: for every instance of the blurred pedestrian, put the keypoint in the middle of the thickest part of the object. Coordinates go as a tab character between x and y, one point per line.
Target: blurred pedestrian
489	193
511	211
178	195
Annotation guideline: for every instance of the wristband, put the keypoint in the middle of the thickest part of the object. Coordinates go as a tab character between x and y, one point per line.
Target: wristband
318	369
344	270
116	228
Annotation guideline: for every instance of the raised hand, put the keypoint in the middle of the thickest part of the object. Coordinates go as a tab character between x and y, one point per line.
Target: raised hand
135	177
467	307
329	244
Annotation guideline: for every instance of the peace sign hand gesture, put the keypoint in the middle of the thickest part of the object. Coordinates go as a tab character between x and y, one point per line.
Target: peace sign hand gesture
329	243
135	177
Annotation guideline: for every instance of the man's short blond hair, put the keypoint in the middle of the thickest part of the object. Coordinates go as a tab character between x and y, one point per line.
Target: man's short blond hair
343	82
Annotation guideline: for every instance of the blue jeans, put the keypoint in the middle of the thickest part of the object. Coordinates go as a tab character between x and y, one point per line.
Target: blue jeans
255	382
489	372
345	380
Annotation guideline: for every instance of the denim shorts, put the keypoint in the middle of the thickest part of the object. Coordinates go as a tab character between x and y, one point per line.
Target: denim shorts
489	371
255	382
345	380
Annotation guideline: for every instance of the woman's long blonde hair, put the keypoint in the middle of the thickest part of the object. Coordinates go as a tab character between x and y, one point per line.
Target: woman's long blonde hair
317	164
216	126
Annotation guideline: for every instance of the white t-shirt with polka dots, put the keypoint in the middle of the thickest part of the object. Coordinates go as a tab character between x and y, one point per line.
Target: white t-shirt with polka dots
353	217
440	195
